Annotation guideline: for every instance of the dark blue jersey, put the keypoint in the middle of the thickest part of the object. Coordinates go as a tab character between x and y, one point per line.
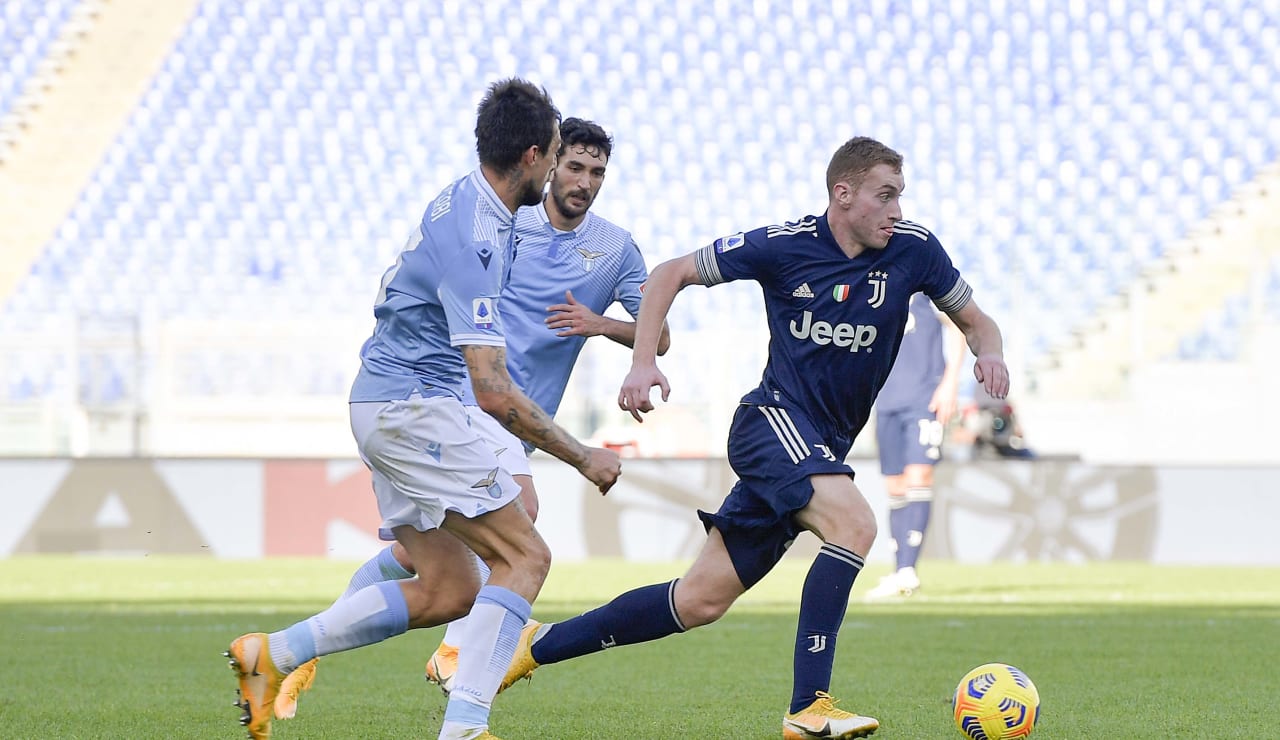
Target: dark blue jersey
835	323
921	362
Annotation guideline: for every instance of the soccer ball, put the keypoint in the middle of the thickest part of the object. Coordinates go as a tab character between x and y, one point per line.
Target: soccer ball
996	701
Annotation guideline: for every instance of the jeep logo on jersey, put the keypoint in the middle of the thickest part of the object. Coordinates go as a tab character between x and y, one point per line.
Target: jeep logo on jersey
841	335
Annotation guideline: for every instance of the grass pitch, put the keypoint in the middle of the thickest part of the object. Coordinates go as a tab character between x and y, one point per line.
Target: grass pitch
107	648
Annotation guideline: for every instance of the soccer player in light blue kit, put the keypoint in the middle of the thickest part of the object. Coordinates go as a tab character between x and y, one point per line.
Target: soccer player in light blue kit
912	411
570	265
440	486
836	289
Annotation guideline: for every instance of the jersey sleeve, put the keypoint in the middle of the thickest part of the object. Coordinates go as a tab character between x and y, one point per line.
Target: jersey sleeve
942	282
744	255
468	292
632	274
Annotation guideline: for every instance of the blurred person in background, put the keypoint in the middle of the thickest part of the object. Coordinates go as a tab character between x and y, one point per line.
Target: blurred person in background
441	487
913	409
992	426
570	266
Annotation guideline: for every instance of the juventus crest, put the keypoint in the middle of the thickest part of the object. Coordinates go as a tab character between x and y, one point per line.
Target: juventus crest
876	279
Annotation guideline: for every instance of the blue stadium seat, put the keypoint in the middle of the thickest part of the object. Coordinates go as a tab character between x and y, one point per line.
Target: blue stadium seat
28	29
285	145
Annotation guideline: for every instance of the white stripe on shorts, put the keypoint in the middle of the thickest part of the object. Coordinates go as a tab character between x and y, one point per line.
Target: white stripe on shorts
786	431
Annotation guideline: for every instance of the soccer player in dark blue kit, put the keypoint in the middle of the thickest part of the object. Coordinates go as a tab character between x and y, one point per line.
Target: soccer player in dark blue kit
912	411
836	290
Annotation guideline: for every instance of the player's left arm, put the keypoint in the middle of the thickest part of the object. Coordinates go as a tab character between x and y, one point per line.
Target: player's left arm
573	319
983	337
943	403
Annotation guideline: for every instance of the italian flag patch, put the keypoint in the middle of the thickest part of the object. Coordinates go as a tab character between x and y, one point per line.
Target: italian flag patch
840	292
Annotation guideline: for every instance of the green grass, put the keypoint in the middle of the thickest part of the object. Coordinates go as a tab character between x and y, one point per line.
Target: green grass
104	648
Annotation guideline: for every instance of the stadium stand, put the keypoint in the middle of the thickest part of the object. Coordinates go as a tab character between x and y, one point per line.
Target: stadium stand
28	29
1220	337
285	148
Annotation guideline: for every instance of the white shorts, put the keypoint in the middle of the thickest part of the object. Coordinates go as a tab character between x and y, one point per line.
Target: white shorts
428	457
508	447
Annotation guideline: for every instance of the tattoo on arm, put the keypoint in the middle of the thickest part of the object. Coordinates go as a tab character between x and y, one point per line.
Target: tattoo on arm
520	415
536	427
491	376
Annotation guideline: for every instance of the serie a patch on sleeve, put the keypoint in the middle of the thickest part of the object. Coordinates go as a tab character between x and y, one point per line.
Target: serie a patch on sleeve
729	243
482	313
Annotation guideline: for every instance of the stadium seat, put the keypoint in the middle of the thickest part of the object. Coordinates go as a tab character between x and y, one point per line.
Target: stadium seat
281	145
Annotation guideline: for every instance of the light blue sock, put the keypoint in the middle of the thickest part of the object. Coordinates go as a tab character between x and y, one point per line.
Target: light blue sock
493	630
379	568
370	615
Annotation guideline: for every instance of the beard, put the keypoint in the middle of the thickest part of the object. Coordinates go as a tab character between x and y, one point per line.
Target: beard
532	193
561	201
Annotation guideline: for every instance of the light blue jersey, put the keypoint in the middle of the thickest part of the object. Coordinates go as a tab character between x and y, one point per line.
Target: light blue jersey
441	294
598	261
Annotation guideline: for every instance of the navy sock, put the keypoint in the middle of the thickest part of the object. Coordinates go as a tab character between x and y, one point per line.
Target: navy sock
898	527
915	517
822	605
641	615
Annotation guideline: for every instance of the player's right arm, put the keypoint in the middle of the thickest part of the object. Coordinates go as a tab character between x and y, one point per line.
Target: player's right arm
500	397
666	280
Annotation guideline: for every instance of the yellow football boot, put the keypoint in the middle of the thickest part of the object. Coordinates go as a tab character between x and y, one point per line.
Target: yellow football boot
259	682
295	683
822	720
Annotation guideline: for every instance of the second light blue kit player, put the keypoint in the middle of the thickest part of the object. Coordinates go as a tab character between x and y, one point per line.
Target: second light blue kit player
570	265
836	289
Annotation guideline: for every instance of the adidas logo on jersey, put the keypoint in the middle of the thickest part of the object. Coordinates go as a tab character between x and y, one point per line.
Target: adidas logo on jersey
841	335
804	291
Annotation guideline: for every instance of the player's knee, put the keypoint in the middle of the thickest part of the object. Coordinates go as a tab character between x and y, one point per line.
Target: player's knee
847	521
700	609
703	596
456	605
527	565
917	476
856	529
402	557
895	485
530	506
528	496
866	528
434	604
538	559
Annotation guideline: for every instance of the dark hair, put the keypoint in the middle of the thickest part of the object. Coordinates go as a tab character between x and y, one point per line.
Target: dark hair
855	158
514	115
577	132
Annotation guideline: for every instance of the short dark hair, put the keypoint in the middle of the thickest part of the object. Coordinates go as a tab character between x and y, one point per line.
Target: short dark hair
514	115
855	158
577	132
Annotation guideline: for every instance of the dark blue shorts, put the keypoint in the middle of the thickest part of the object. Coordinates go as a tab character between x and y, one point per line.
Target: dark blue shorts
910	436
773	450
